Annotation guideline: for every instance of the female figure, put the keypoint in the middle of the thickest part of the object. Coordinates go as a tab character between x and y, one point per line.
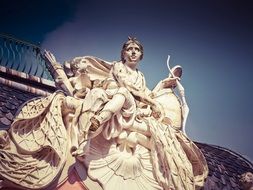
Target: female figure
135	123
132	129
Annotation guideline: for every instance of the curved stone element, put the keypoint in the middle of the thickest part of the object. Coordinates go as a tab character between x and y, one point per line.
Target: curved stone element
114	167
39	143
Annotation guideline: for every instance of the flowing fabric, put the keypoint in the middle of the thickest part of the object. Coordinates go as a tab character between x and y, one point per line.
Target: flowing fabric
178	163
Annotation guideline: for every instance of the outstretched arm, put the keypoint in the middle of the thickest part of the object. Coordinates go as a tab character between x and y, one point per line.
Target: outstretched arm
157	110
49	57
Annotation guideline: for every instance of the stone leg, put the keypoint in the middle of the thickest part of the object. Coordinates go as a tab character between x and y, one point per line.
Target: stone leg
113	106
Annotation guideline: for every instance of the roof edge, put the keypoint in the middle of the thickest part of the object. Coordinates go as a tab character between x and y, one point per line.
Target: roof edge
26	82
243	157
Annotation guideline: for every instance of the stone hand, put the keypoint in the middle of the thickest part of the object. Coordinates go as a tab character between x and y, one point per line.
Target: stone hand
156	111
170	82
49	56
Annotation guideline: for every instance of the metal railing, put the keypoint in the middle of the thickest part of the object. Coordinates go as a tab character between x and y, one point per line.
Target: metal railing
22	56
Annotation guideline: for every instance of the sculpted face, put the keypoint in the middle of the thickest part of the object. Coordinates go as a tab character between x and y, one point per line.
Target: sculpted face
132	54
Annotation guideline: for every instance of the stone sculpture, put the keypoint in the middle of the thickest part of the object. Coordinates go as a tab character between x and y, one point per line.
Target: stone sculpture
105	118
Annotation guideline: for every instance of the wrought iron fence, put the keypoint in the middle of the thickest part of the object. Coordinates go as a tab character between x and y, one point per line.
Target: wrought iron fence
22	56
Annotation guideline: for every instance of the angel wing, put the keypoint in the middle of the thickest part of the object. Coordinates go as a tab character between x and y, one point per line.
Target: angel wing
86	73
39	124
95	68
41	144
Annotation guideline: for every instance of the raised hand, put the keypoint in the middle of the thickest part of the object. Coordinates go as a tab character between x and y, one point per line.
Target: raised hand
156	111
49	57
170	82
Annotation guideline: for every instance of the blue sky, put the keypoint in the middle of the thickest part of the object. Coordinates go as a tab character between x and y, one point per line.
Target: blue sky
211	40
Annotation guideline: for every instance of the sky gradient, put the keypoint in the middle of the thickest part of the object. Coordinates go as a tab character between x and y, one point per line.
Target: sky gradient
211	40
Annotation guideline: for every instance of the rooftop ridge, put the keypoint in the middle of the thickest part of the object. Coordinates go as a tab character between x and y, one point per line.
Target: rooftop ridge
26	82
238	155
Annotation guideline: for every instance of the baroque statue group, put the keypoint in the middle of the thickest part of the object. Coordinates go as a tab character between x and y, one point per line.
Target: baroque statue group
105	118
